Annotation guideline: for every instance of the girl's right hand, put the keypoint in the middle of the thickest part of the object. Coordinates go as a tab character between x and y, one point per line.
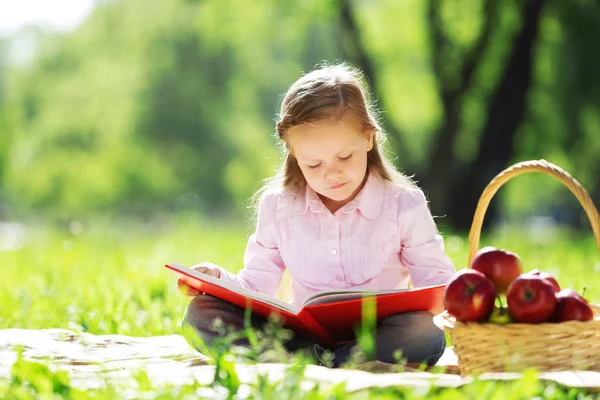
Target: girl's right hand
207	268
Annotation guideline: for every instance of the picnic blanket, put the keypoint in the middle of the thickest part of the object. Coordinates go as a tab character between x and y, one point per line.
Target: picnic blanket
93	360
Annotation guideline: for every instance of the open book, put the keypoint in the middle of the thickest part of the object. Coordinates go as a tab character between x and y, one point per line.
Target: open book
331	316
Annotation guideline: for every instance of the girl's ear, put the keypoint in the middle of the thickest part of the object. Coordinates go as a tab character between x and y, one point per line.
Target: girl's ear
288	148
370	136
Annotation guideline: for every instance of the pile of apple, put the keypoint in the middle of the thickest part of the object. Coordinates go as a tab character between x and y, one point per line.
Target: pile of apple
532	297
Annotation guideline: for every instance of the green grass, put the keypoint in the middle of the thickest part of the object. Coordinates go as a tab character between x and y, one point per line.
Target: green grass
110	279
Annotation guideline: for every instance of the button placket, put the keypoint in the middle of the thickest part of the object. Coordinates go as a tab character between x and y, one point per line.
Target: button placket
335	235
335	248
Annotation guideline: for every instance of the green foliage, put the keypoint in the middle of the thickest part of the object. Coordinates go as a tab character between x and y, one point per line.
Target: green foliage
150	105
38	378
169	106
564	112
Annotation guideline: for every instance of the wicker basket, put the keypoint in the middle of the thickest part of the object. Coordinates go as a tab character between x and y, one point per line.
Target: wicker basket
488	347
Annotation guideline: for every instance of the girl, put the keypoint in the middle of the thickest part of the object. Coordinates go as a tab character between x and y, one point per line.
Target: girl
338	215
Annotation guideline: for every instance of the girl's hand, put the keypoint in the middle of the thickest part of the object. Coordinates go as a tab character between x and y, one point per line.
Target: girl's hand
207	268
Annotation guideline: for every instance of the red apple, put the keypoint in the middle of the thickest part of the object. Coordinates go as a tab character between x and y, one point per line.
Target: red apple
547	277
531	299
500	266
469	296
572	306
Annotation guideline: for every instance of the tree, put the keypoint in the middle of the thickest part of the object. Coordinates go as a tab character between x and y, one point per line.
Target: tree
444	167
506	111
454	66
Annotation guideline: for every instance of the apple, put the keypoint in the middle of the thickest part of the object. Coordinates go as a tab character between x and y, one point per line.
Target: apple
500	266
469	296
500	316
546	276
571	306
531	299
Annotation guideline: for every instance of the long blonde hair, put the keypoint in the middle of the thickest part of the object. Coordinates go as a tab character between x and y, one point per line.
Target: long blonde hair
331	92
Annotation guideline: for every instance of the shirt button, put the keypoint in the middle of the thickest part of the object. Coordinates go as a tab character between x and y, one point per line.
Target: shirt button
339	278
333	251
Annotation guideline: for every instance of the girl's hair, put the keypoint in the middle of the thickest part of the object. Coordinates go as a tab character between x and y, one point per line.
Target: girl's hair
330	93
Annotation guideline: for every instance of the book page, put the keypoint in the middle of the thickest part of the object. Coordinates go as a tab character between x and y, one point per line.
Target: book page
332	296
200	276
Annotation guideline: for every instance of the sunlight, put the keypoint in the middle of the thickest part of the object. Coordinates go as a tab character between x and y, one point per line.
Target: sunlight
62	15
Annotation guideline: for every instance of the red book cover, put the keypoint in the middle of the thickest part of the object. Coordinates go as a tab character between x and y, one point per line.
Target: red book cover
331	316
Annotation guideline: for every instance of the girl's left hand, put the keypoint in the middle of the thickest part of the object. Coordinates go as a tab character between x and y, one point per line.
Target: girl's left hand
206	268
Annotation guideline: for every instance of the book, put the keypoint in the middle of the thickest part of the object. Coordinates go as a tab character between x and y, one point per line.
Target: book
331	316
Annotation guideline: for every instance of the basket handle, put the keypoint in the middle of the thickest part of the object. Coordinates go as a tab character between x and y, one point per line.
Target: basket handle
521	168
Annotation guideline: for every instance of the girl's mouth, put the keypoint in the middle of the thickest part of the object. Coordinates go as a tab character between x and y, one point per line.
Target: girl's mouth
338	186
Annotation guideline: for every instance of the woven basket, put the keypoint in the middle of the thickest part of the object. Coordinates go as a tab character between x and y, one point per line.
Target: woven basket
488	347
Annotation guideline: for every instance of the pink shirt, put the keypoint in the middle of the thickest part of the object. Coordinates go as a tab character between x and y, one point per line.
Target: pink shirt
381	239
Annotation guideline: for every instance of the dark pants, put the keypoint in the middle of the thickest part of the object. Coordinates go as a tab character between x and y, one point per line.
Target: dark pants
412	333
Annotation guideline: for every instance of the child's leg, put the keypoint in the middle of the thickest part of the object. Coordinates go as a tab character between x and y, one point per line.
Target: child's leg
415	334
204	310
204	314
412	333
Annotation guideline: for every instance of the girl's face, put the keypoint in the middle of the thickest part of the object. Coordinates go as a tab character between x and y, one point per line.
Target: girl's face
333	159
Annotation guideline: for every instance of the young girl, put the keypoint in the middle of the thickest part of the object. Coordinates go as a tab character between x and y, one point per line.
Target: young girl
337	216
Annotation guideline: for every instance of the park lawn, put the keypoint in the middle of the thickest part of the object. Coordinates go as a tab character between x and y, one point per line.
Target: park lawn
109	279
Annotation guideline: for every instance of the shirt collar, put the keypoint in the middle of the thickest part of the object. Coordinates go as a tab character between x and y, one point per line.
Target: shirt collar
368	201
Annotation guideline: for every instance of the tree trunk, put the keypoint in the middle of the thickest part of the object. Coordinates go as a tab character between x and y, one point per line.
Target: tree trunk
505	113
443	165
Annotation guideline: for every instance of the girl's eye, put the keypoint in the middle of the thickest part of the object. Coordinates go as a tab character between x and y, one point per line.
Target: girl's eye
346	158
314	166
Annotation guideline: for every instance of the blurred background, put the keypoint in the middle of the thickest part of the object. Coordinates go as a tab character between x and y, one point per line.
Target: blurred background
132	110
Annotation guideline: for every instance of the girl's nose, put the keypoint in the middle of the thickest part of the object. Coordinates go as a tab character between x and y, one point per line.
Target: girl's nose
333	172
